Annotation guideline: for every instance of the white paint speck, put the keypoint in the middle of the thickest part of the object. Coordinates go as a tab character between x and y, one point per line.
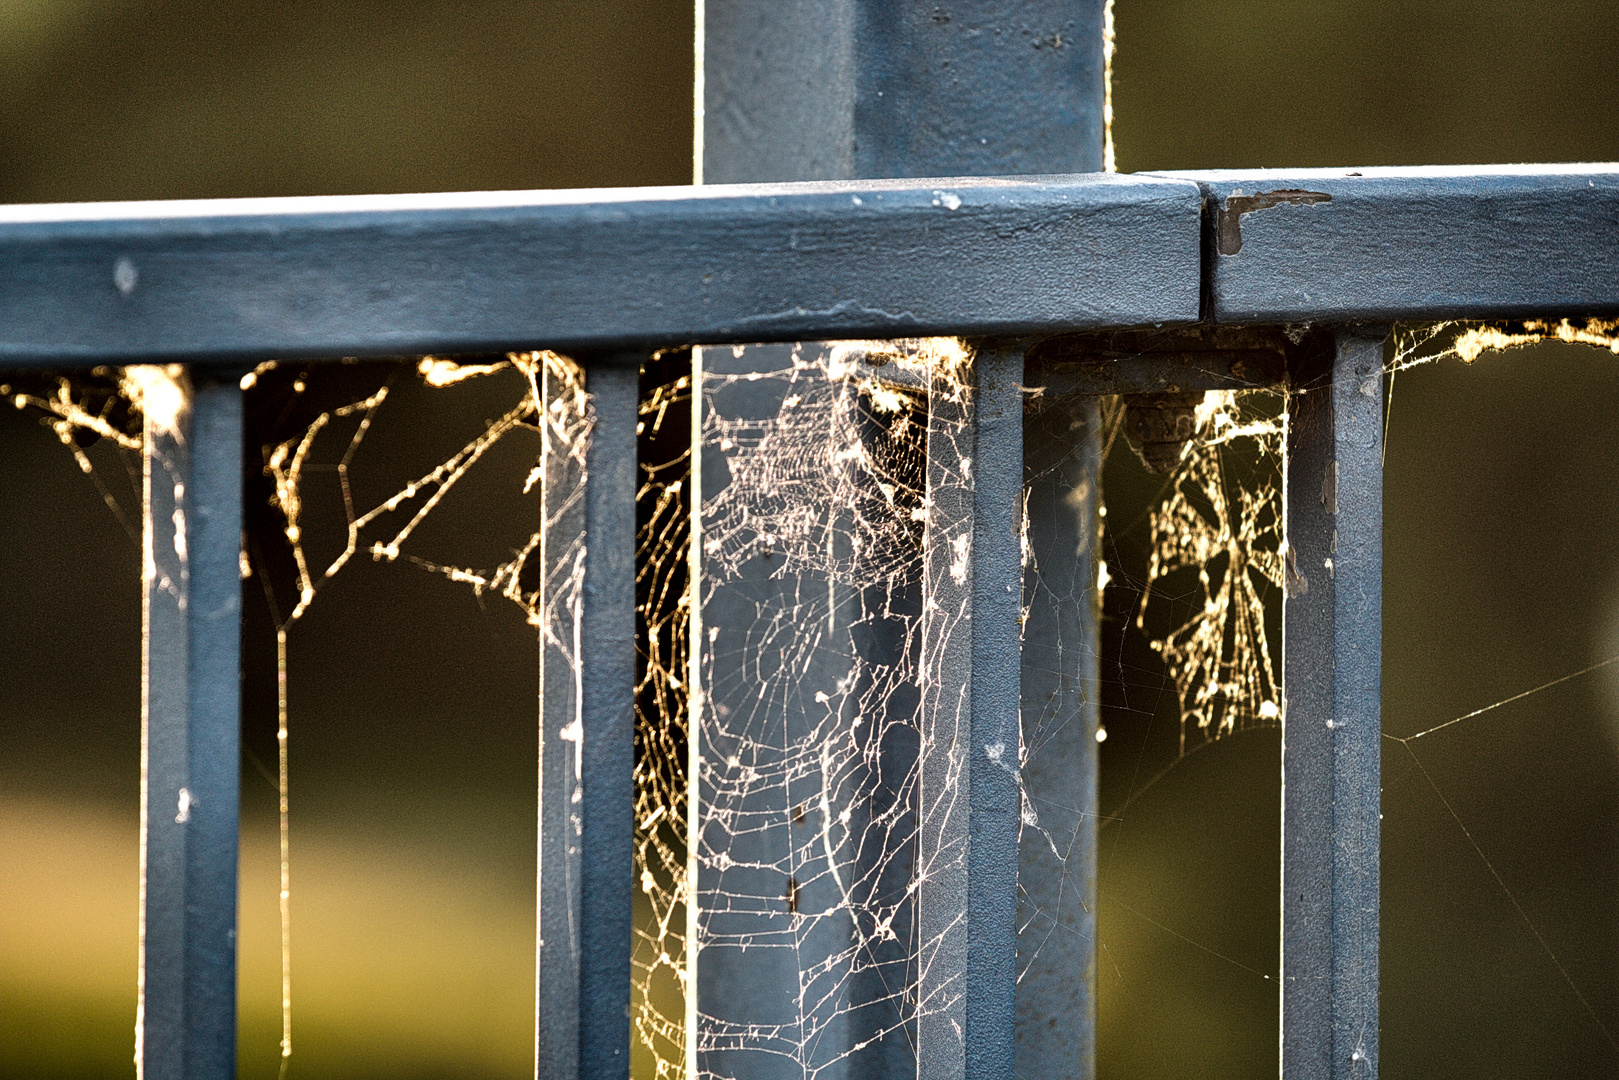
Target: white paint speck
124	276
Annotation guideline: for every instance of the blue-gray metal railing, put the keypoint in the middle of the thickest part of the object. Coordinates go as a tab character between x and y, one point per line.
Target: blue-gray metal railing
1332	628
232	280
867	88
190	725
217	284
1339	246
222	282
585	829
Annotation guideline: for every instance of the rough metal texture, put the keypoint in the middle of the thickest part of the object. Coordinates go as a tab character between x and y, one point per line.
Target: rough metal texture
1333	245
833	89
607	713
191	739
587	731
997	609
1331	726
969	783
1062	451
229	280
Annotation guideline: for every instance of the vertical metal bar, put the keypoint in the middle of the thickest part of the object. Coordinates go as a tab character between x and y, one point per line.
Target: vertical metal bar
607	679
1062	454
587	727
562	554
973	573
995	749
191	724
1331	728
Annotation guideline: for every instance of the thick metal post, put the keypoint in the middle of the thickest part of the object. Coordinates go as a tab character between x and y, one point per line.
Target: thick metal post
1062	454
190	724
778	752
842	89
587	729
1331	727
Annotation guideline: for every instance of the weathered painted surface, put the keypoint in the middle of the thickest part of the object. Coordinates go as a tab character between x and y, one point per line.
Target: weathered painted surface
190	731
836	89
1335	245
1332	718
223	281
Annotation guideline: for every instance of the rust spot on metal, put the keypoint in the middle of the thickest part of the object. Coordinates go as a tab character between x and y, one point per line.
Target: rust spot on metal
1228	226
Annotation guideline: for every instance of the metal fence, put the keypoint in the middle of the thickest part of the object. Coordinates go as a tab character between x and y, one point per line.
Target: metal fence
824	129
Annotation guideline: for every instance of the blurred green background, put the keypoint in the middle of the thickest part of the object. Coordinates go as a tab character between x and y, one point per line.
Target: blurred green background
413	704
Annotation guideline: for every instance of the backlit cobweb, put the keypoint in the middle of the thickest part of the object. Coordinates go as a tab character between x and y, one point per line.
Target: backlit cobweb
776	762
1217	536
804	942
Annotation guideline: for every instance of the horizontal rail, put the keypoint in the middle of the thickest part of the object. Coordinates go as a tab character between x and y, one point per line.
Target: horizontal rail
226	281
1336	245
231	280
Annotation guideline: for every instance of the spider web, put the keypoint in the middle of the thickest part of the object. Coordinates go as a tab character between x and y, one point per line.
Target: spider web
1221	522
803	954
319	441
801	838
777	761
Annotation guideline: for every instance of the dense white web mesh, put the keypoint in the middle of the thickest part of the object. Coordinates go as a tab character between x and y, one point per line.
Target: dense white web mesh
811	549
811	683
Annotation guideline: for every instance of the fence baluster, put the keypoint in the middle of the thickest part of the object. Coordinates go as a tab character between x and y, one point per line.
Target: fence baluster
587	728
973	573
190	725
1332	742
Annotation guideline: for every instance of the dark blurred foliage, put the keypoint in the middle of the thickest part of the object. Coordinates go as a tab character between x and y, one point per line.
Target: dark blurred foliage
413	700
145	99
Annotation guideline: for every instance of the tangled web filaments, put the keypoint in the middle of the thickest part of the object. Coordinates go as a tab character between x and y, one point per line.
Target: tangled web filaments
1221	520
